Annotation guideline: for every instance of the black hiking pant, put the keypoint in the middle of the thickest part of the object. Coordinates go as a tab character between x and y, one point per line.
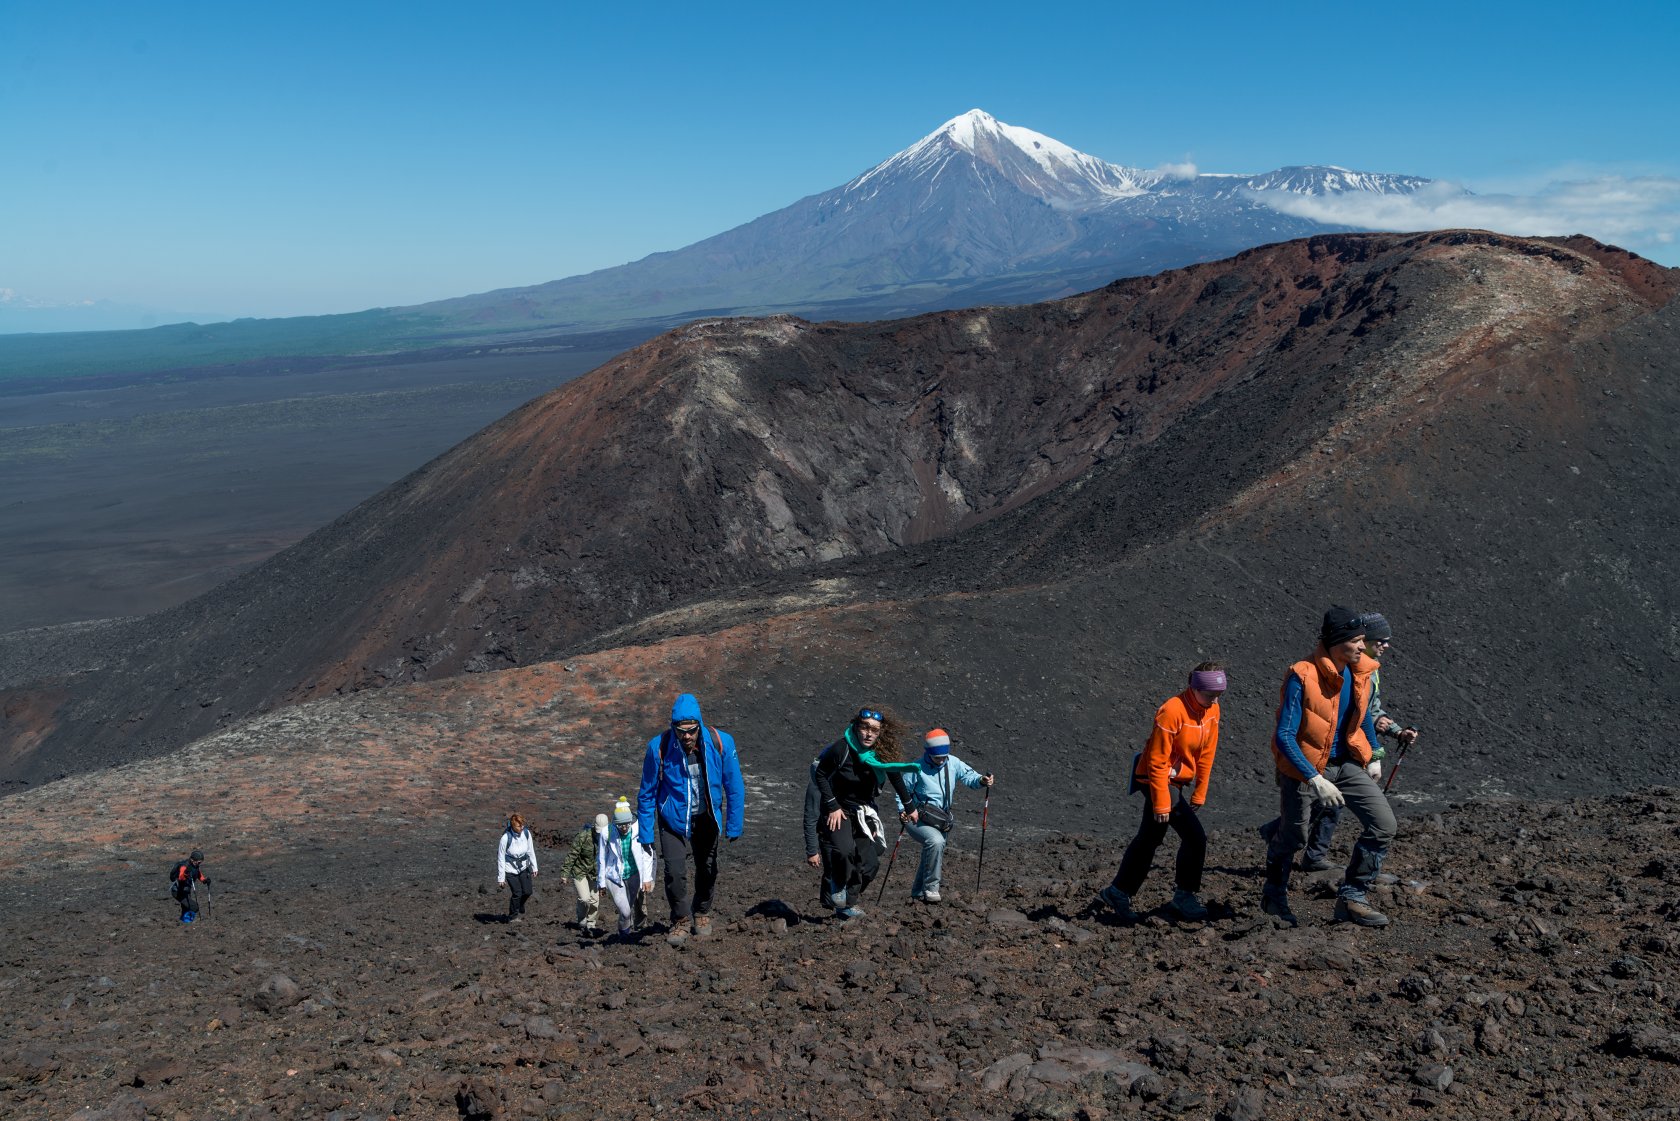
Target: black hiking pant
825	852
519	890
186	897
702	846
850	860
1140	854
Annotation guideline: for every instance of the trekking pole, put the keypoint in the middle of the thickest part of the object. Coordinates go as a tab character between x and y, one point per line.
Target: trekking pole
985	808
206	902
902	826
1398	759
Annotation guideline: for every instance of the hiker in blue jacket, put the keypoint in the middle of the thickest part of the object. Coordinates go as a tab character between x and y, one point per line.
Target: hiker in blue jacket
691	794
928	819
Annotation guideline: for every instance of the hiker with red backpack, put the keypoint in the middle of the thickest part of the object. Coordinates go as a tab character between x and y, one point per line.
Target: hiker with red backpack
691	796
184	880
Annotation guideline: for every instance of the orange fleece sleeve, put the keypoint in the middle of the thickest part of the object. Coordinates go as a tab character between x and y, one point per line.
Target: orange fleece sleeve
1157	758
1204	765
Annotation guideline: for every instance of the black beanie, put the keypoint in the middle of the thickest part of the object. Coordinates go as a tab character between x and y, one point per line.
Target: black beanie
1340	624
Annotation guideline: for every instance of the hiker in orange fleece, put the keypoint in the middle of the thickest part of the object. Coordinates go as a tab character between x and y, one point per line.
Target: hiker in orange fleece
1179	756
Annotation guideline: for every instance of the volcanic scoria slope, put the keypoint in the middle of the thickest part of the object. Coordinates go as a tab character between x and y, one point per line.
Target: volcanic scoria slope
1474	433
349	962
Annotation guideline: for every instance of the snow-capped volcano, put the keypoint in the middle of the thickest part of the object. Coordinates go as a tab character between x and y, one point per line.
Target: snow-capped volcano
977	211
1033	162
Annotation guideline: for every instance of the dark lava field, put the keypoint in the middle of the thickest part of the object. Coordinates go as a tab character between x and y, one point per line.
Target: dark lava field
1532	971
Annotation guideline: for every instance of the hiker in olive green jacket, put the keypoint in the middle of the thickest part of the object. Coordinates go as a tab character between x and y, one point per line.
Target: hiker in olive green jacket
579	867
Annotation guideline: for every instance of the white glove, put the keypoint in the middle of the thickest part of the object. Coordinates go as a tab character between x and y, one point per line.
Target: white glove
1323	790
1374	769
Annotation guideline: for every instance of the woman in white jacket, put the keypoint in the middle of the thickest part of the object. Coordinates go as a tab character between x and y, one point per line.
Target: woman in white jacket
624	867
516	865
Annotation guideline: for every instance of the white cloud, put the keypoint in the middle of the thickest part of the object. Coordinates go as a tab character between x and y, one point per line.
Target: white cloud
1185	170
1637	212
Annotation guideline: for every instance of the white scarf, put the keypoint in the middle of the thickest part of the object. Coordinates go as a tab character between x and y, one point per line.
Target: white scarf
870	822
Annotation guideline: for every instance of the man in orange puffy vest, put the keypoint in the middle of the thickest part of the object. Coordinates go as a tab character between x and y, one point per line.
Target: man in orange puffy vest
1323	749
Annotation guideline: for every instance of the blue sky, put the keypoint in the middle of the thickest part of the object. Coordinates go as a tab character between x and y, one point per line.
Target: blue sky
300	158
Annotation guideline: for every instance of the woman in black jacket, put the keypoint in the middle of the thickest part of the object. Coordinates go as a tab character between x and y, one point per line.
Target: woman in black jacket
848	774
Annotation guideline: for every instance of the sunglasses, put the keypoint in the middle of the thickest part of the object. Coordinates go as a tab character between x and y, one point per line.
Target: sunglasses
871	714
685	729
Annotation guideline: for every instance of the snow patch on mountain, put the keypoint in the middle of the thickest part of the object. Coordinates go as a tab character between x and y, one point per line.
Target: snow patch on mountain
1035	163
1069	179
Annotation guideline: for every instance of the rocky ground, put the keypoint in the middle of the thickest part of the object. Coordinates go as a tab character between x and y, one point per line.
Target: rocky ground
1532	971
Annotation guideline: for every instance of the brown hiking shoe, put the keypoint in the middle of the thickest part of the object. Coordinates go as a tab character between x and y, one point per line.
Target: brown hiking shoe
1359	912
678	935
702	926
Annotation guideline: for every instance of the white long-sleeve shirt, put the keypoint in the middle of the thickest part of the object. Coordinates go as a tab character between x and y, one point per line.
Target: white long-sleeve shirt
515	854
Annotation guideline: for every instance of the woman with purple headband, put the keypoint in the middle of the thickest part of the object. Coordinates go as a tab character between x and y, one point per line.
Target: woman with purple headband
1179	757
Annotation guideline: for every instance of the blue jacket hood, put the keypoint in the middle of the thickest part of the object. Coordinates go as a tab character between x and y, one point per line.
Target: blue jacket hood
686	707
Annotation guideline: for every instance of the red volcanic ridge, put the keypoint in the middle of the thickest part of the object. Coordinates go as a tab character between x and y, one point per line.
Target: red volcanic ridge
1459	427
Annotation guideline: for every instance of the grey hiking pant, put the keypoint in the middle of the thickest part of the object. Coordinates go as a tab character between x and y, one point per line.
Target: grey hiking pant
932	864
1365	801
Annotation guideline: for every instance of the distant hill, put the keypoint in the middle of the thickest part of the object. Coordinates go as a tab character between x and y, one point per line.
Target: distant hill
1460	428
976	212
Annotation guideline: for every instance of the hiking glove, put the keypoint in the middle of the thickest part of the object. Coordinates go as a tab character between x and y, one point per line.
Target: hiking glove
1323	790
1374	769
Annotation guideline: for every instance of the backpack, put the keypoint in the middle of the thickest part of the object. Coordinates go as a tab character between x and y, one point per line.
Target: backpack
520	862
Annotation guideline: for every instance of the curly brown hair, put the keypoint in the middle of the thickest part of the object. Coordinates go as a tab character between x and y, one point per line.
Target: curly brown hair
886	747
1208	667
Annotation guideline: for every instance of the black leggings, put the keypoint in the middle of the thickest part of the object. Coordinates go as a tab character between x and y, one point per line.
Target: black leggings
850	859
1192	848
519	890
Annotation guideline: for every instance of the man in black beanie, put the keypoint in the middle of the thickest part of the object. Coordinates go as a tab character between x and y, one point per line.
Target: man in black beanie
1379	635
1322	747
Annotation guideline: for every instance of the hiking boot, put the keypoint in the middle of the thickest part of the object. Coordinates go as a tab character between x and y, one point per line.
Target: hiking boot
1316	863
515	918
930	897
678	935
848	913
1119	901
188	916
1188	906
702	926
1277	906
1359	912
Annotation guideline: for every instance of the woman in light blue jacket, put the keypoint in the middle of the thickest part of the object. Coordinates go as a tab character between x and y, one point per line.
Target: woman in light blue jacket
932	787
